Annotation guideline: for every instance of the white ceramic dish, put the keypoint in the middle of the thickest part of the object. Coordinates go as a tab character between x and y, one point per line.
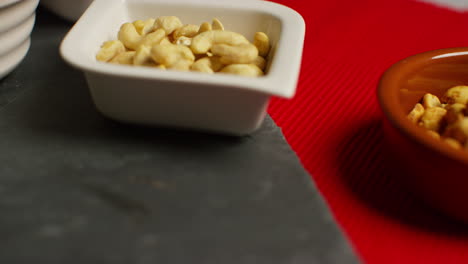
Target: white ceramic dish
10	61
219	102
15	36
70	10
12	15
4	3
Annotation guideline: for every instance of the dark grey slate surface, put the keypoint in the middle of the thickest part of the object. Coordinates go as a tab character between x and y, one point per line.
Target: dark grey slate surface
78	188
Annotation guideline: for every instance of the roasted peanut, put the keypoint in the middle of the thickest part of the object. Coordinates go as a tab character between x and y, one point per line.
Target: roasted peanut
109	50
454	113
416	113
457	94
248	70
458	130
262	42
430	100
445	121
432	118
453	143
203	42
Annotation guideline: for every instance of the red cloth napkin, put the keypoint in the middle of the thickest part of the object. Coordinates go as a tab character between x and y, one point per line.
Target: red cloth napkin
334	123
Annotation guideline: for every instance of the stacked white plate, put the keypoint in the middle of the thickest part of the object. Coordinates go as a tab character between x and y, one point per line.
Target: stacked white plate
17	19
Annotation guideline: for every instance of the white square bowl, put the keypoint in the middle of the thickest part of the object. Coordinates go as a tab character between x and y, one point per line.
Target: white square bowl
214	102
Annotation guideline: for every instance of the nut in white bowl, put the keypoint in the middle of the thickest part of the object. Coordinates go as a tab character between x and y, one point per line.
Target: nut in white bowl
221	103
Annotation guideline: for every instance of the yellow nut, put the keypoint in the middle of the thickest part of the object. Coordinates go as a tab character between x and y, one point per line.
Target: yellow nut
124	58
153	38
416	113
457	94
240	54
129	36
430	100
248	70
262	42
168	23
172	56
109	50
453	143
207	64
188	31
260	62
433	134
143	56
144	27
217	25
458	131
165	41
432	118
184	41
203	42
205	26
454	113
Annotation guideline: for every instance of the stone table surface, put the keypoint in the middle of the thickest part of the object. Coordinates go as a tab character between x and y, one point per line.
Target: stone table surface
78	188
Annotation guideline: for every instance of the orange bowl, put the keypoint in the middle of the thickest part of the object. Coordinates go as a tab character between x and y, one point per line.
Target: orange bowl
436	171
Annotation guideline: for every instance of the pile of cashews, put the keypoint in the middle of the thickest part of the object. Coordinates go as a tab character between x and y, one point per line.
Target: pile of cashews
166	43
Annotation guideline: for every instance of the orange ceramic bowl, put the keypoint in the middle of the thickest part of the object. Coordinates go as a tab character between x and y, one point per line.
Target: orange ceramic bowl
437	172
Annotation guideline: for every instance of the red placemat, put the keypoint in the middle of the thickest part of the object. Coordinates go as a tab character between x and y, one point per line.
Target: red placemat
334	123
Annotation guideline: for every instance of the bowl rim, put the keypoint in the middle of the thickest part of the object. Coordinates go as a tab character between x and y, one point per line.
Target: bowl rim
388	99
281	80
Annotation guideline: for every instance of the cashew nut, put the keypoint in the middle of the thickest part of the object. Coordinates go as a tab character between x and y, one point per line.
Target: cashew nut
129	36
262	42
203	42
205	26
217	25
143	56
260	62
432	118
153	38
248	70
184	41
240	54
124	58
168	23
207	64
172	56
109	50
457	94
165	41
144	27
188	31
